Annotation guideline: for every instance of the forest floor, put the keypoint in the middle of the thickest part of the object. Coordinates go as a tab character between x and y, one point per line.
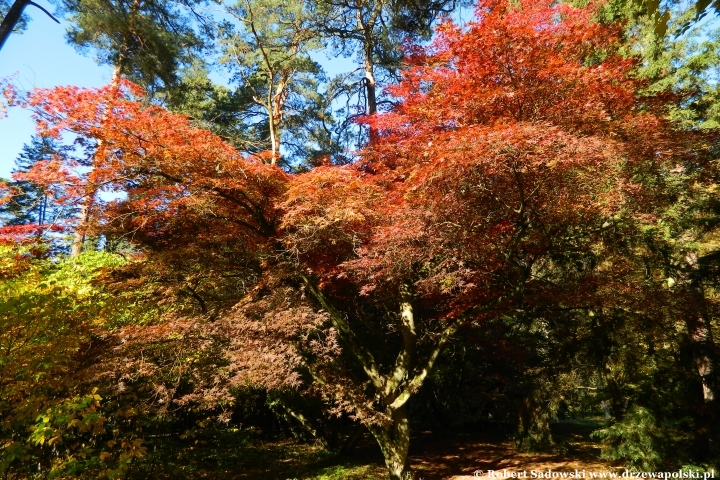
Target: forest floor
455	455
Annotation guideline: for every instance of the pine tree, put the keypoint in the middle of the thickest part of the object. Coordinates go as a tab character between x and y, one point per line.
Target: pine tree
145	41
33	204
269	49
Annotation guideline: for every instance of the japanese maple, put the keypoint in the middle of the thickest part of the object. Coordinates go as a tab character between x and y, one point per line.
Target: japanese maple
515	139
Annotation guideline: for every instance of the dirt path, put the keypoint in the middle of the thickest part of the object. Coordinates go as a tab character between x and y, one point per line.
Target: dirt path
459	458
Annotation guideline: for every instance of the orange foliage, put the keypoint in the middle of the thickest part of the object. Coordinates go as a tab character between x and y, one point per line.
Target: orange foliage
515	140
170	171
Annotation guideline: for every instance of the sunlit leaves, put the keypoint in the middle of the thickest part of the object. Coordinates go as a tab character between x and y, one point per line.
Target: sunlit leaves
47	314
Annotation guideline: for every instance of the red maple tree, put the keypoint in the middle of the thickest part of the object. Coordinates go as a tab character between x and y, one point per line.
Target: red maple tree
515	138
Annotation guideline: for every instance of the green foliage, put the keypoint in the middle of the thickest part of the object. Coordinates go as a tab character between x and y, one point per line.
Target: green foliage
682	65
49	416
214	107
640	440
687	65
146	41
32	204
268	49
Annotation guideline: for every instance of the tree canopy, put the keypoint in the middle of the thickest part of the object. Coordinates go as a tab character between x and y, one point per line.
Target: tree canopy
526	182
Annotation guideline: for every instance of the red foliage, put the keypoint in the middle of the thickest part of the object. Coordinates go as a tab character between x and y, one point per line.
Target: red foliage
516	140
25	234
526	63
170	171
511	135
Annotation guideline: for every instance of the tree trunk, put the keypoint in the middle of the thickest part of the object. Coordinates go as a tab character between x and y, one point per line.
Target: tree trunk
11	19
370	88
314	430
616	399
393	390
277	105
606	410
352	440
274	142
534	427
394	441
697	323
366	28
89	201
274	117
79	235
370	83
703	347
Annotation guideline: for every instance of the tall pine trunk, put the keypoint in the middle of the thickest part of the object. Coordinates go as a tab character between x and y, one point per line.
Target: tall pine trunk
366	27
89	200
83	221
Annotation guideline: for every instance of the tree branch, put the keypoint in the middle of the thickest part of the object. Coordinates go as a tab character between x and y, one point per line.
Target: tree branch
366	359
404	358
419	378
46	12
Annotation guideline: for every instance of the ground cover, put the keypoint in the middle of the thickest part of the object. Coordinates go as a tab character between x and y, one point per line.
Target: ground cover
451	455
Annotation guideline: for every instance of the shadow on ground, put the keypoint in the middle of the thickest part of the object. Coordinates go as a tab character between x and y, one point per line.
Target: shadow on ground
434	456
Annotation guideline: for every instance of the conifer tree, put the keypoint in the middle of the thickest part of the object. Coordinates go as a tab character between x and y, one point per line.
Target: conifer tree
372	31
268	50
146	41
33	204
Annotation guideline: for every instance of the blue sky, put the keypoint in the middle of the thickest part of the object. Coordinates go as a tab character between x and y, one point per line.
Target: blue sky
41	58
